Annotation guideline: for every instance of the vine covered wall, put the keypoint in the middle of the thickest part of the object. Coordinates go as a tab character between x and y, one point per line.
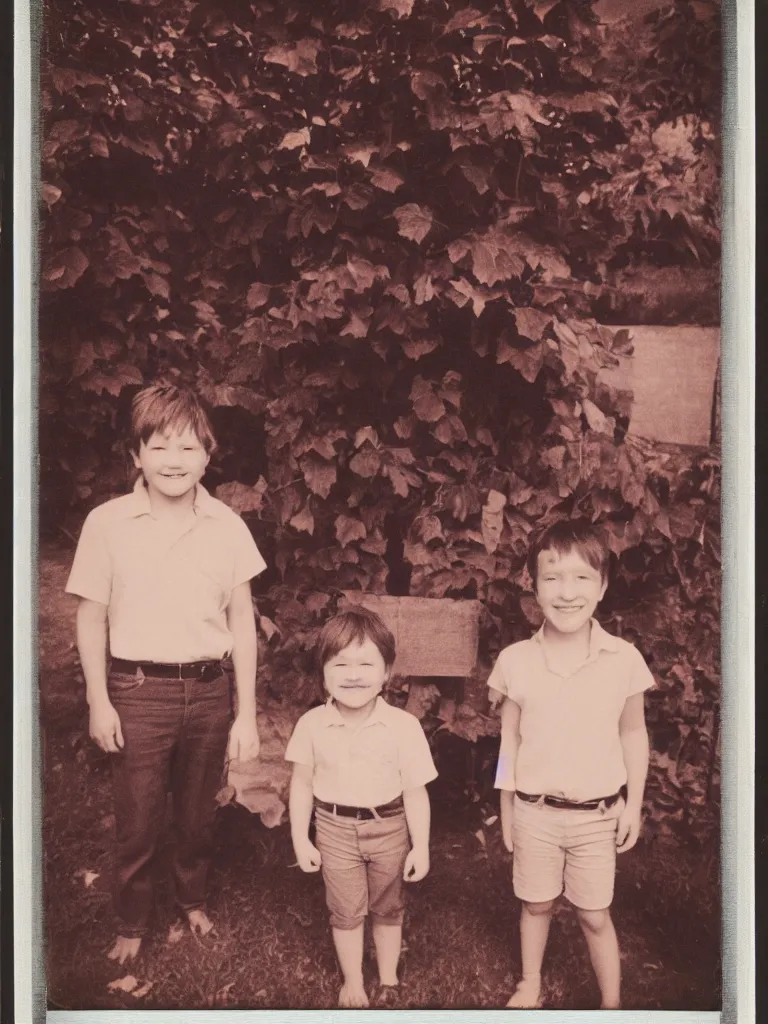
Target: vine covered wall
375	237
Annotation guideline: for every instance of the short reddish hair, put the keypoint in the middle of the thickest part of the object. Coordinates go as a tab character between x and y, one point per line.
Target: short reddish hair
354	625
568	535
162	408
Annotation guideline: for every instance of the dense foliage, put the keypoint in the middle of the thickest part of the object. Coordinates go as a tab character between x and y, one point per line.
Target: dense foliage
372	235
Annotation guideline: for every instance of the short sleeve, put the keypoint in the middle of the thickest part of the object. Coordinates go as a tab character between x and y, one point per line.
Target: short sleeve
248	561
497	680
300	748
640	676
505	772
91	574
505	768
415	758
503	678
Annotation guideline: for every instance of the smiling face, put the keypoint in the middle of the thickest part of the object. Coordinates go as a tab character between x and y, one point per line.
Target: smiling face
173	463
355	676
568	590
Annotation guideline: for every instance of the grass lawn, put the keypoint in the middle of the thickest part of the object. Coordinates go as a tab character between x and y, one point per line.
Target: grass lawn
273	946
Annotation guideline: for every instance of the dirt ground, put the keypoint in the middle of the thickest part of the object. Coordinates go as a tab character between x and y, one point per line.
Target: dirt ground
272	947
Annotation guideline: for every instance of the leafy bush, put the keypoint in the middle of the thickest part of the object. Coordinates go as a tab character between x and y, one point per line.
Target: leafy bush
372	235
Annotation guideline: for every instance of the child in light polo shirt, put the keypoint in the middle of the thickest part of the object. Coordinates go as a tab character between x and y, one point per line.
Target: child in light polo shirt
574	755
363	766
163	580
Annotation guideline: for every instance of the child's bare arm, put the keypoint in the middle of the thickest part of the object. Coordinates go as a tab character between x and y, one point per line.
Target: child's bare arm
634	744
418	816
300	812
104	722
505	778
244	736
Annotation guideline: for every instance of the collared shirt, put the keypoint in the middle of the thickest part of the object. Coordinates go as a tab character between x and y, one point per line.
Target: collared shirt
569	724
167	586
364	765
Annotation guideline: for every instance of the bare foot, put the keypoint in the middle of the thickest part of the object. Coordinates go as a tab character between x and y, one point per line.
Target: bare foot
353	996
527	995
124	949
199	922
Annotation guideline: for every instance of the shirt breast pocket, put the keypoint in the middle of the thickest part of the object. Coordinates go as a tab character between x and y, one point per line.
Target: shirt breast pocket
376	755
202	583
134	578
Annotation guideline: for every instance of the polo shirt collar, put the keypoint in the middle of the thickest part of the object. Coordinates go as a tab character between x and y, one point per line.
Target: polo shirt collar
599	641
333	715
139	505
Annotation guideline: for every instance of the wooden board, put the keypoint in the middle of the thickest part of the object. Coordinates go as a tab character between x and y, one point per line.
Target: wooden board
673	375
434	636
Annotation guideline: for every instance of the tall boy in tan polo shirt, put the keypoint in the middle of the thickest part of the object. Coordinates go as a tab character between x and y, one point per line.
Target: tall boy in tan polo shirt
163	580
574	755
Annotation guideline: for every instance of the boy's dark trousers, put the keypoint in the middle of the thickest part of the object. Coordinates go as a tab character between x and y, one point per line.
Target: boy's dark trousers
175	735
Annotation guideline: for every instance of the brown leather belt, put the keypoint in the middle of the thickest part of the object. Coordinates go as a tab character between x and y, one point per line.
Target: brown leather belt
205	670
573	805
362	813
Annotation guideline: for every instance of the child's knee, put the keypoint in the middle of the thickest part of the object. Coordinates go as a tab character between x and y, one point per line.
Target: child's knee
594	921
393	918
539	909
346	922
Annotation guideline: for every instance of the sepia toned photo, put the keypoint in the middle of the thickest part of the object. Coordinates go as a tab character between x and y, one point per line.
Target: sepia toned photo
379	504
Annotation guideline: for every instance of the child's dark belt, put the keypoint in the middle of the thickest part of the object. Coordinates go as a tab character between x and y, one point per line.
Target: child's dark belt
573	805
363	813
205	670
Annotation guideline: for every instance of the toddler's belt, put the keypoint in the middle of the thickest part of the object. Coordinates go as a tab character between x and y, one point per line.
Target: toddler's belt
363	813
206	670
575	805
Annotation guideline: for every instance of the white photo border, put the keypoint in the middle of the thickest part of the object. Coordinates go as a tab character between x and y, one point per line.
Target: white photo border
738	401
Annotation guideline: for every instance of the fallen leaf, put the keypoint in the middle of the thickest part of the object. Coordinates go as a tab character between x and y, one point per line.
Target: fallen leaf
142	990
302	919
492	820
175	933
222	996
88	876
126	984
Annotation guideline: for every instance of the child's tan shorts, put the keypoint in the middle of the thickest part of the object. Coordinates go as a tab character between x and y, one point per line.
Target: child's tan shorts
562	850
363	864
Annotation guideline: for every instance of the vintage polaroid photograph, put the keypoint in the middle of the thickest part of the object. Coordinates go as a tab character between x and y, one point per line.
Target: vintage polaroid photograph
379	418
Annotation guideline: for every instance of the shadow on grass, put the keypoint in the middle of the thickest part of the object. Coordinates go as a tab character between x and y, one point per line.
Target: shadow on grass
273	947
